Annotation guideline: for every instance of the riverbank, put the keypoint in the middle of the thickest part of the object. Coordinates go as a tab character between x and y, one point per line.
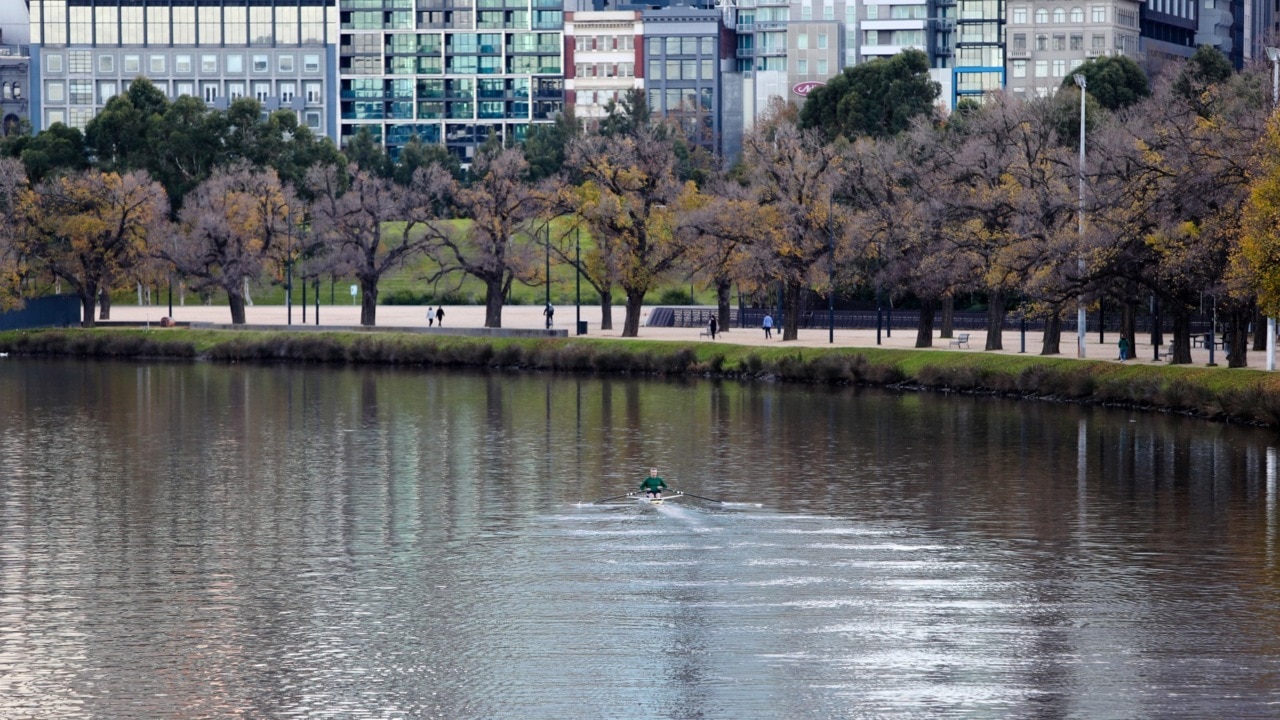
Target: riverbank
1240	395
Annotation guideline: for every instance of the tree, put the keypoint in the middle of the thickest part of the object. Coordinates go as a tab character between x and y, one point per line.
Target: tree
13	189
122	136
1201	77
1257	257
544	148
367	154
496	247
876	98
58	149
91	228
1115	80
629	200
417	154
231	225
793	174
371	225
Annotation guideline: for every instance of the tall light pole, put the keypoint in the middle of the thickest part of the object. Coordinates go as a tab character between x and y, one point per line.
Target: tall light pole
831	275
1080	312
1273	54
577	266
548	305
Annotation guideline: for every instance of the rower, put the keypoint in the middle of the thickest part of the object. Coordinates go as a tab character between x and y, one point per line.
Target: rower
653	485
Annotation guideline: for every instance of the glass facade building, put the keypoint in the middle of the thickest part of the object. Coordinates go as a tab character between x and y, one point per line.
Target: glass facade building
280	52
449	71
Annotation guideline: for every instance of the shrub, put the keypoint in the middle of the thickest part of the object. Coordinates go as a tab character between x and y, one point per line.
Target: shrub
675	296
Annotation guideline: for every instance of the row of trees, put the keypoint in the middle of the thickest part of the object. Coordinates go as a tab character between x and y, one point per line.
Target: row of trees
1181	199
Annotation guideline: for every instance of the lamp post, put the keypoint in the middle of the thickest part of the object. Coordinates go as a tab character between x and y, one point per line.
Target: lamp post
1080	313
288	275
831	276
1273	54
548	275
577	266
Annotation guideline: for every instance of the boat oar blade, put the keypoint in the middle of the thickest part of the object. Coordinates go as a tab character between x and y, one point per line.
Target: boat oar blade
685	492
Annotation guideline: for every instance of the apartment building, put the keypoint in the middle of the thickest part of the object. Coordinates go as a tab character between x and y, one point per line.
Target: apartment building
456	72
15	68
1047	41
84	52
604	59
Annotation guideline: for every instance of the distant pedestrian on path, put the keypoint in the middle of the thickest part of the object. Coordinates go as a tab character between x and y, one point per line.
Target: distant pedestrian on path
440	316
431	316
768	326
1124	348
712	327
549	312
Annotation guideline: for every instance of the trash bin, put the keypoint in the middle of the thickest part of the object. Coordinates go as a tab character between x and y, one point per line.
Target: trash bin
582	327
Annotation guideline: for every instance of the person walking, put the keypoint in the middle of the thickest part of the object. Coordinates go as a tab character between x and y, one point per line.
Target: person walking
440	316
712	327
1124	348
653	485
431	316
549	312
768	326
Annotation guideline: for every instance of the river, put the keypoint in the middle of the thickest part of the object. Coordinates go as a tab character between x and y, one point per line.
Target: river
241	541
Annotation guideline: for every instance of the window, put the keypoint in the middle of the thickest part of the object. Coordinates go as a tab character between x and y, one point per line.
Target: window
157	64
209	64
287	91
311	63
182	63
261	63
235	91
1098	13
1059	15
80	61
185	88
1077	42
1059	68
57	116
873	12
1019	43
806	13
1042	16
53	63
1077	15
132	64
80	92
802	41
106	63
235	64
1098	43
822	67
210	91
55	92
828	12
285	63
1019	68
313	93
1019	16
1059	42
80	117
1042	42
802	67
106	91
822	41
261	91
1042	68
312	119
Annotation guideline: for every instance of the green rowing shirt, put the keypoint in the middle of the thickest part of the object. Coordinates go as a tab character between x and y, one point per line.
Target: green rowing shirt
651	484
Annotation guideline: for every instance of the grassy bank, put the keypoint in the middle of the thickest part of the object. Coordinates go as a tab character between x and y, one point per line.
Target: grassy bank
1241	396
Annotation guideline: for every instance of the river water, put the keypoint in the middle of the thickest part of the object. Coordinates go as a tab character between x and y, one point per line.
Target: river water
199	540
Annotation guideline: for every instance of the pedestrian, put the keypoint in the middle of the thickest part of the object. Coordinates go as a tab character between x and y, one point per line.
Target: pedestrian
768	326
712	327
549	312
440	316
431	316
652	486
1124	348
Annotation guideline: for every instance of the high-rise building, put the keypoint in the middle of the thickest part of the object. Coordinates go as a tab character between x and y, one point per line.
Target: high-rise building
84	52
456	72
1047	42
604	59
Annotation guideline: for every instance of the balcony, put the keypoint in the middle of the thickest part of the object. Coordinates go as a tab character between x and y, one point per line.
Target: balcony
1019	53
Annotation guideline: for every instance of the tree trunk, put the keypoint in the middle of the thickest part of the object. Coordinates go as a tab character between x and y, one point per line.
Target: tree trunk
948	316
1259	330
606	309
791	327
236	301
369	302
493	303
1181	338
1052	343
88	301
995	321
104	304
723	292
924	330
635	305
1238	338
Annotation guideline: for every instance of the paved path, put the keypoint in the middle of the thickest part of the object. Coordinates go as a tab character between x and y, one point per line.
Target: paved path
530	316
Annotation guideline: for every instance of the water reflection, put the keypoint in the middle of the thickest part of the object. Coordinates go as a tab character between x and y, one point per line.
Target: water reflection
201	540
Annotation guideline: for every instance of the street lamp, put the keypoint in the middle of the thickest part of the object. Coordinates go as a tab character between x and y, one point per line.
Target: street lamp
1080	312
577	266
1273	54
831	276
548	305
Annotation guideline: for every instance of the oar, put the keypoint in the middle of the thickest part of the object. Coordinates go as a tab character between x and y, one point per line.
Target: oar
684	492
615	497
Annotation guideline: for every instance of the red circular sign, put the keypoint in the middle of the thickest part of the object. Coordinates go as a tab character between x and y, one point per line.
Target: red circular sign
804	88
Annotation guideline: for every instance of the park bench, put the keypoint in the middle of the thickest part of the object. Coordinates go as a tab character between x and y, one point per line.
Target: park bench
961	340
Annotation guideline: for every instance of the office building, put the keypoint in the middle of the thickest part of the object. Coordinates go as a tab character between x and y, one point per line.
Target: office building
1048	41
280	52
